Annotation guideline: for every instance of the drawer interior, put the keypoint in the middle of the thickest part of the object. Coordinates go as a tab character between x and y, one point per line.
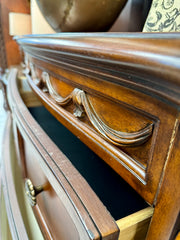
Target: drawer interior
119	198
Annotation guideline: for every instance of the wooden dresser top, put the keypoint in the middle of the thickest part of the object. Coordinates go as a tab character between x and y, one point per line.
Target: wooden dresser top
118	93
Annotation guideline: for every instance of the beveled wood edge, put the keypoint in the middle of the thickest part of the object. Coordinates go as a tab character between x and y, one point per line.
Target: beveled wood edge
129	225
84	106
105	224
15	219
122	158
169	192
19	110
139	57
43	226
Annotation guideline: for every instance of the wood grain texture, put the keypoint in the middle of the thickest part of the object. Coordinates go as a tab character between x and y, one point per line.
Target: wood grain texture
65	180
135	60
168	200
136	225
140	72
83	105
117	69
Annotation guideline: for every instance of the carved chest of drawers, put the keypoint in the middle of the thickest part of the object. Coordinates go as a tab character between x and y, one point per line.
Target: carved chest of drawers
99	153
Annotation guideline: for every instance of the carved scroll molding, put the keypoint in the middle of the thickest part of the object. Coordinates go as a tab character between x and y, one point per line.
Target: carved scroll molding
84	106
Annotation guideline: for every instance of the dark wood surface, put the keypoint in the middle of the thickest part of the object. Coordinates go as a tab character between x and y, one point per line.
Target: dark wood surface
168	201
67	187
133	60
122	76
130	74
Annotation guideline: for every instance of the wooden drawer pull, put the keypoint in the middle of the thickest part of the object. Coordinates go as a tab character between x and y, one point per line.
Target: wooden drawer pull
32	191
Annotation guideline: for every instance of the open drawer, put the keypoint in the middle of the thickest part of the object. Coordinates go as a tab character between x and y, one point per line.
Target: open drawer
82	197
118	93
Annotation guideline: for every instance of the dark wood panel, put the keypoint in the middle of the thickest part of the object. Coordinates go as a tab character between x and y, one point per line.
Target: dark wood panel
140	72
119	70
133	60
168	200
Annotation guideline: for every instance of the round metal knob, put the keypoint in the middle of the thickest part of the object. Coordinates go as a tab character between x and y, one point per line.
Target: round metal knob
32	191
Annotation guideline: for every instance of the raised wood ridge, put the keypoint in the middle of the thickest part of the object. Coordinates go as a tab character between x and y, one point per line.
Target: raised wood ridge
85	208
139	73
144	62
83	104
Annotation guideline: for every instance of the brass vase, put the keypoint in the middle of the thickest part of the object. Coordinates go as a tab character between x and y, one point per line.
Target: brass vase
81	15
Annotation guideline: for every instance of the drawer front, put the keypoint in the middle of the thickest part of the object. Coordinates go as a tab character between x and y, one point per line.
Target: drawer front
53	205
56	207
118	93
124	127
68	203
67	207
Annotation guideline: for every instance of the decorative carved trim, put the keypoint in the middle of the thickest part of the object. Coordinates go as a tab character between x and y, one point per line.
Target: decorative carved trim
80	99
53	93
84	106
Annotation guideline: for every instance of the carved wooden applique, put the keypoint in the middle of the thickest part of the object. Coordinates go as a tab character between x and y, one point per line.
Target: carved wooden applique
84	106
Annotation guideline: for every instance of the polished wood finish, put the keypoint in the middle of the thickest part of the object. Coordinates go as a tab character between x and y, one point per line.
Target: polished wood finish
122	77
168	200
67	187
115	83
38	164
120	74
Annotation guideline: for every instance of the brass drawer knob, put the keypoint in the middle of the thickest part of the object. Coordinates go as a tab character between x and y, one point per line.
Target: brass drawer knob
32	191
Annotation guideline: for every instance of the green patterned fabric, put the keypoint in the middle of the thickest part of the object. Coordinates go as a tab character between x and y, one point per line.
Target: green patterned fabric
164	16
